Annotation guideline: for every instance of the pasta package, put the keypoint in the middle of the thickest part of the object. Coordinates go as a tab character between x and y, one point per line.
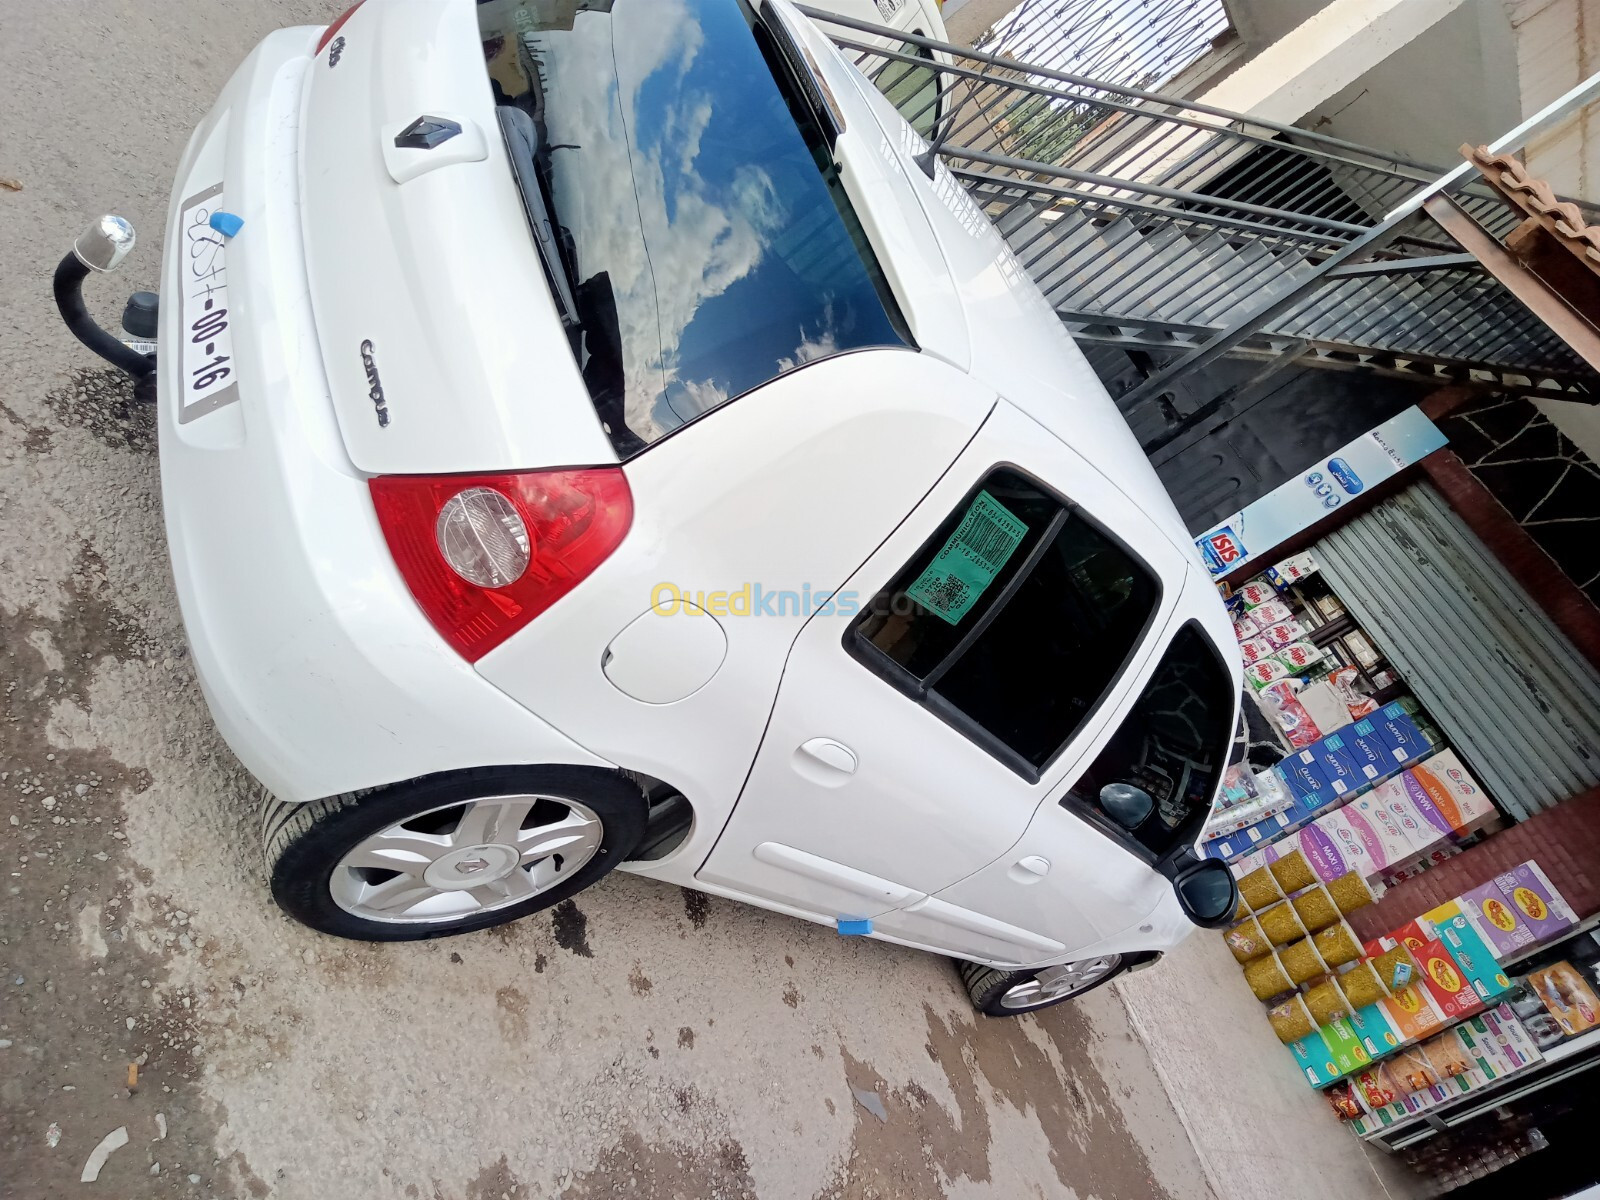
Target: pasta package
1301	962
1291	1020
1337	944
1292	872
1247	941
1260	890
1316	908
1281	923
1326	1003
1266	977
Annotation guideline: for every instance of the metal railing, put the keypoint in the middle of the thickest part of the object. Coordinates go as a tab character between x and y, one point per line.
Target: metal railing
1200	231
1137	43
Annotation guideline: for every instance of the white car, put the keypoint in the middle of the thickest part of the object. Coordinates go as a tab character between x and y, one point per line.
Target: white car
591	439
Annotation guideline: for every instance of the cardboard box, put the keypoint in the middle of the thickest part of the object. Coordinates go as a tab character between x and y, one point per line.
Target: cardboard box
1453	791
1498	921
1415	799
1326	706
1451	989
1315	1062
1413	1013
1333	848
1302	776
1537	903
1516	1043
1361	758
1377	1032
1344	1046
1473	957
1406	740
1339	766
1395	844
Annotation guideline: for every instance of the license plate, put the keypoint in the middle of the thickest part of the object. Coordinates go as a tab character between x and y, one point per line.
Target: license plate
888	8
209	374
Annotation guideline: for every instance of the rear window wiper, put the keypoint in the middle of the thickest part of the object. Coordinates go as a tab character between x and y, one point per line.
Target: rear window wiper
522	141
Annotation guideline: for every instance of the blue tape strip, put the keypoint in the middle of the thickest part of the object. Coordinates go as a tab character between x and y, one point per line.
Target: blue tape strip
226	223
853	928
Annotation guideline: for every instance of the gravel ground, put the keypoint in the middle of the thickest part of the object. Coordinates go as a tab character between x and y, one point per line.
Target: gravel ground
644	1041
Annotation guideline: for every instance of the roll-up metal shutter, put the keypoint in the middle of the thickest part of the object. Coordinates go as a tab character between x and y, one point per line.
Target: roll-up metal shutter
1518	703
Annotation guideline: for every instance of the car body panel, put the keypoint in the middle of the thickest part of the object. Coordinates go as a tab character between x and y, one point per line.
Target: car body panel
430	293
788	490
320	671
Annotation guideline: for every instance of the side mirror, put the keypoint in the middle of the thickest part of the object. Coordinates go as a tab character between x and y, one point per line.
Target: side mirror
1125	804
1208	894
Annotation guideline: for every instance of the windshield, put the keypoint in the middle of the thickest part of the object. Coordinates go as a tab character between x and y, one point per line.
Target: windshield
1173	745
691	218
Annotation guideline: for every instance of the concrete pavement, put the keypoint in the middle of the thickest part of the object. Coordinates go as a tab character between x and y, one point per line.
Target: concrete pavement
642	1041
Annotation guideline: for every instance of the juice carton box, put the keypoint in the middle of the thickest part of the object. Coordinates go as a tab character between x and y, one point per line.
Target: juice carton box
1498	921
1315	1063
1376	1031
1413	1013
1445	981
1344	1046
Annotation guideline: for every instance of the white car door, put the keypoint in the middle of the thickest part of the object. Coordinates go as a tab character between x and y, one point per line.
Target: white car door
909	748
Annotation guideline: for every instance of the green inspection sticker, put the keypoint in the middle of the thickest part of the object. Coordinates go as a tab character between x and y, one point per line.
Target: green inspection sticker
970	559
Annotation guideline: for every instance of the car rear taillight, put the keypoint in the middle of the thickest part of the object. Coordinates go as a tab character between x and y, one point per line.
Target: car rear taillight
485	554
329	33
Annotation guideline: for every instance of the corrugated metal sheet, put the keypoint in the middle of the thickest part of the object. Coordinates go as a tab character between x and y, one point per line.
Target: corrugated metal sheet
1517	702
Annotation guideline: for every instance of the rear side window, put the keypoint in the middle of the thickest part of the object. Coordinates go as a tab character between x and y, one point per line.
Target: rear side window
913	88
1173	744
1013	622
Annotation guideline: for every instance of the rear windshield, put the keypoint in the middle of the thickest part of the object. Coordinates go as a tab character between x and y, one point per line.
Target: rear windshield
1173	745
1013	622
691	219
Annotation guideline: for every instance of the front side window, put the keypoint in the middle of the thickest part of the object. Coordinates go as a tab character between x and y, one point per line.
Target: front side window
688	210
1013	623
1173	745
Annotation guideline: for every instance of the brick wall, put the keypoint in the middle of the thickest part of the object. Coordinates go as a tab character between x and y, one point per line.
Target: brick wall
1564	841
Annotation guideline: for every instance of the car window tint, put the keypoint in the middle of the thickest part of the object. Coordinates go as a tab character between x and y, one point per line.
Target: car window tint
1025	652
698	237
1173	744
913	88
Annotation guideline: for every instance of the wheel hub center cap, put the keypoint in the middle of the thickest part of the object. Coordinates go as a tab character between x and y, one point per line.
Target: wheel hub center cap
472	867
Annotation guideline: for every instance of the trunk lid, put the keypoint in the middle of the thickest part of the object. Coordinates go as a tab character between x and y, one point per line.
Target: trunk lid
444	348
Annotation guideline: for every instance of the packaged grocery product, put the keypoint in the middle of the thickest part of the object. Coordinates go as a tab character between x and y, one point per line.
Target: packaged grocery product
1291	1020
1246	941
1273	612
1497	919
1361	986
1538	904
1410	1071
1264	671
1334	848
1343	1099
1376	1031
1567	996
1344	1047
1473	958
1316	908
1457	796
1337	944
1446	1055
1326	1002
1291	570
1266	977
1375	1087
1344	681
1394	841
1256	592
1300	961
1413	1013
1245	627
1284	633
1259	889
1281	924
1279	702
1442	976
1297	656
1254	649
1351	891
1315	1063
1292	872
1395	967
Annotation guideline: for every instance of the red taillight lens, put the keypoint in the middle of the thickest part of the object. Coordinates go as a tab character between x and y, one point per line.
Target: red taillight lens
555	527
331	31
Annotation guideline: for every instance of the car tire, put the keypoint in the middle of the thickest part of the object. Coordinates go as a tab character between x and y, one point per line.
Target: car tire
445	834
1000	993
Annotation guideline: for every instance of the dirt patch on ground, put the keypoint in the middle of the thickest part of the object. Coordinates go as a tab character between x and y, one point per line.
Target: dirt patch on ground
85	986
